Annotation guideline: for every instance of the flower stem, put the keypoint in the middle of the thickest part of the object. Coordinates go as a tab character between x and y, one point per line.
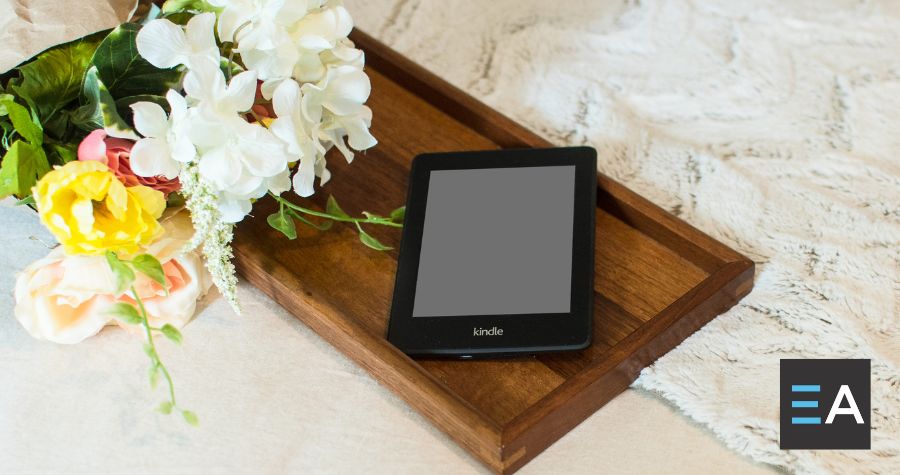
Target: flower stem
154	356
230	63
334	217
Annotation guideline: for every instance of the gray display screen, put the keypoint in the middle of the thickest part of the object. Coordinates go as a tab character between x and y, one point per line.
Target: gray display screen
497	241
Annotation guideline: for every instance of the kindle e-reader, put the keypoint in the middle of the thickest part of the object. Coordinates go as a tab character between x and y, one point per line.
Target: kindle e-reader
497	253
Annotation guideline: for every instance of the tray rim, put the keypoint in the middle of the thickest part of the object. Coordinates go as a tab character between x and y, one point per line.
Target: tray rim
505	448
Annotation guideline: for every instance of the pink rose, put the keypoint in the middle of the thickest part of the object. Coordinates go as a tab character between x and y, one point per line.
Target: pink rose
116	154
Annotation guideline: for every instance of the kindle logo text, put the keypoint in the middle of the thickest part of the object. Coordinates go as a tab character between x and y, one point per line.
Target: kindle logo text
487	331
825	404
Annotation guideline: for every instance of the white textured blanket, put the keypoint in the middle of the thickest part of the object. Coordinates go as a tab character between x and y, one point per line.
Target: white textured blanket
773	126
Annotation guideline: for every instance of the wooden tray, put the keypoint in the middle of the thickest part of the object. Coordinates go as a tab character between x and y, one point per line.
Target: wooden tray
657	279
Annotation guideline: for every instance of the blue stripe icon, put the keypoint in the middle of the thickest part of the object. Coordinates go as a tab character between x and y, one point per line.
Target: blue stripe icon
804	403
805	388
806	420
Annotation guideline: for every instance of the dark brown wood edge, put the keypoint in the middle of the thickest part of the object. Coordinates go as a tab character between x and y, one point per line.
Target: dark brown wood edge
469	427
572	402
687	241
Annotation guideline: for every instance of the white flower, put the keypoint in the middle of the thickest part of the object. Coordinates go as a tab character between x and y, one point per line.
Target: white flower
296	132
239	159
205	84
300	51
264	19
337	102
322	112
259	28
343	53
312	67
166	145
276	63
317	33
353	126
165	45
342	91
281	39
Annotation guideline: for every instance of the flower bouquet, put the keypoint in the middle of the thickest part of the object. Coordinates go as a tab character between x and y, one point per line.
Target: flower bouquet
141	147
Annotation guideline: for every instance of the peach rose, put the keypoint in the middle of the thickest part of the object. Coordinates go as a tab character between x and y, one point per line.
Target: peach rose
65	298
116	154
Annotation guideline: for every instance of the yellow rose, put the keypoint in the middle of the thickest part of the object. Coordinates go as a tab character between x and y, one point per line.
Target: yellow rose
90	211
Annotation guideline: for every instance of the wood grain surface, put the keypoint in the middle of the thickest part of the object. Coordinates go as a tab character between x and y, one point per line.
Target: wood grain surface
657	278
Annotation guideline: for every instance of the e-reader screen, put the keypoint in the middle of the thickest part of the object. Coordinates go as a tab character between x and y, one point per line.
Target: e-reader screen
497	241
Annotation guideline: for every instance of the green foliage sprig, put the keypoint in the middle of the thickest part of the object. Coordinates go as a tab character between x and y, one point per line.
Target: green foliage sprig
124	272
283	220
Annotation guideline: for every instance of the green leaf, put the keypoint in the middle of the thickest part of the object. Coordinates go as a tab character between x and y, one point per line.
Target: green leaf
281	221
370	241
190	418
124	103
171	333
22	120
323	226
23	164
100	109
8	131
149	266
332	208
124	72
175	200
59	154
123	274
398	214
125	312
5	97
176	6
165	407
180	18
53	79
26	201
150	351
59	126
89	116
153	375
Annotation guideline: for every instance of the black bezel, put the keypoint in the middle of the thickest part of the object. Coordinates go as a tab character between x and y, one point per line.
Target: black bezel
522	333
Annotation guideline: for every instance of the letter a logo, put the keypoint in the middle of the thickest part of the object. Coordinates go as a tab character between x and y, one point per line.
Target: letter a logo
844	393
